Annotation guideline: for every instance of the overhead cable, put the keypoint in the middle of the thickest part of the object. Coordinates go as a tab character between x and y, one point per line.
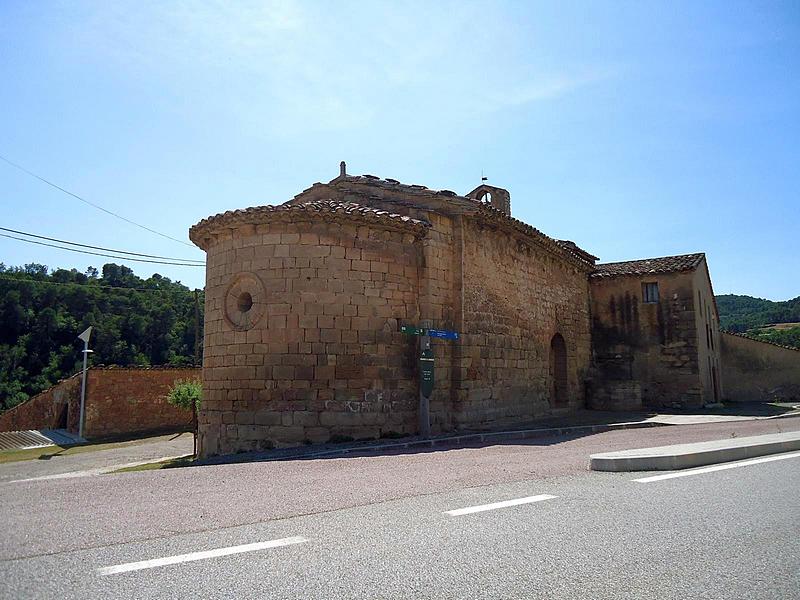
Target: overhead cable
158	262
44	237
97	206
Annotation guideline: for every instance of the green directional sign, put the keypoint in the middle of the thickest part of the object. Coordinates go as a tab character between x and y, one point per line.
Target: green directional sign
426	370
408	330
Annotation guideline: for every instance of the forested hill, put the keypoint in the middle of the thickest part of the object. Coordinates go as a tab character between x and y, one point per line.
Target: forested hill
742	313
136	322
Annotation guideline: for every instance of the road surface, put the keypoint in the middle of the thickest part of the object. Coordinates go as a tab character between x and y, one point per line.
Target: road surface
521	520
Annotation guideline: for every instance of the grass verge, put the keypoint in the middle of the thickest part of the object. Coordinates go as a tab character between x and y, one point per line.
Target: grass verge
48	452
172	463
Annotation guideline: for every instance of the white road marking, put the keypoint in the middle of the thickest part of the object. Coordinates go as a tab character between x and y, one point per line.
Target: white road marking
483	507
723	467
192	556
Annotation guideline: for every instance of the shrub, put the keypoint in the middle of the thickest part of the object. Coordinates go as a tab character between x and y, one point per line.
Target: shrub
184	392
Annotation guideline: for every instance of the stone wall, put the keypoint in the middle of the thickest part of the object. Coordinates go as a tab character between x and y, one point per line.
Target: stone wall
759	371
123	401
120	401
46	410
302	340
517	297
709	356
657	340
439	301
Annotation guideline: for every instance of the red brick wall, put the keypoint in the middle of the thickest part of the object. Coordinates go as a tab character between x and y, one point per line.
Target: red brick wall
122	401
46	410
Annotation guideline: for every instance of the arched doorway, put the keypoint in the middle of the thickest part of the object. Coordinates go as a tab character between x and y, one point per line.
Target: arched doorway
558	371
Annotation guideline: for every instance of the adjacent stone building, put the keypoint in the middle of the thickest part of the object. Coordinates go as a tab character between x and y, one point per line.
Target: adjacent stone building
305	302
655	334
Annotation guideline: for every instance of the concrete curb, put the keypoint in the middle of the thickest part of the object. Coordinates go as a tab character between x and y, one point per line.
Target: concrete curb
684	456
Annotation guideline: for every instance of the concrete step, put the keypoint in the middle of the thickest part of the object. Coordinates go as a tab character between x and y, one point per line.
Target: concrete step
683	456
23	440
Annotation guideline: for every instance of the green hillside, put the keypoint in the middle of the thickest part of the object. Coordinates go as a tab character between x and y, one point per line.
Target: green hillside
743	313
752	316
136	322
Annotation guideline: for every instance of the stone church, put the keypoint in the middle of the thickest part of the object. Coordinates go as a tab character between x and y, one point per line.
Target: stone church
308	305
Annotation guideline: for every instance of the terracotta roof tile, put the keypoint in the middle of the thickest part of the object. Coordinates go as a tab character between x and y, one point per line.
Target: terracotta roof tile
331	208
647	266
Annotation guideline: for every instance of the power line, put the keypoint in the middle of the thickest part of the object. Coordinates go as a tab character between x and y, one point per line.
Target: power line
158	262
97	206
44	237
9	277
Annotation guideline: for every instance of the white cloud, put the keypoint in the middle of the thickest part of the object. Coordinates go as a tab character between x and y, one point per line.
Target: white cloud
284	67
547	88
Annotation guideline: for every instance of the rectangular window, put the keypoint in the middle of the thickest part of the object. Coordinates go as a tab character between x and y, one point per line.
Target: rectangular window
650	293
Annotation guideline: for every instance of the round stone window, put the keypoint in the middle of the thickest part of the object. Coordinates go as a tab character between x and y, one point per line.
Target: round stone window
244	302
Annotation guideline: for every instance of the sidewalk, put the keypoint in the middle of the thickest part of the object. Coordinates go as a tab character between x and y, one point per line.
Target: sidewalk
584	422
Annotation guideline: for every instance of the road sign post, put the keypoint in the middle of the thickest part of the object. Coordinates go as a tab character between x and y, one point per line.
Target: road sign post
426	380
426	369
84	337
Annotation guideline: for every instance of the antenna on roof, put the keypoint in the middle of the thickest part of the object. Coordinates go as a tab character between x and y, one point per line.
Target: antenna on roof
342	169
483	177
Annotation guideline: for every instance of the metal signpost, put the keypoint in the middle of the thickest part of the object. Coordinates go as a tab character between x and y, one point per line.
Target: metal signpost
84	337
426	370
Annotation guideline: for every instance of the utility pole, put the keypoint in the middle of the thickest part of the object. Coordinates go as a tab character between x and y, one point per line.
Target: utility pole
84	337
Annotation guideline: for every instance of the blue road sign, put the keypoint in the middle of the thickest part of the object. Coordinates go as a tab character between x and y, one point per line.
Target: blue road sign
441	333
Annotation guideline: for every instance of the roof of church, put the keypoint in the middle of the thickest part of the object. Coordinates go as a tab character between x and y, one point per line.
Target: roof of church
338	208
393	183
332	208
648	266
487	210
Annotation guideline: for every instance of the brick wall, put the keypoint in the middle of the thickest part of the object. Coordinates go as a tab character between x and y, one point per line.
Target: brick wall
46	410
124	401
302	338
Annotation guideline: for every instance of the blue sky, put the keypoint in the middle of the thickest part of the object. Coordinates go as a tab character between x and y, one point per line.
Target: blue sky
635	129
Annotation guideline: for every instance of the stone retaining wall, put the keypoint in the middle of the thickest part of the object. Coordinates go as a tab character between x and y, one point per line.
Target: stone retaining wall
759	371
120	401
124	401
46	410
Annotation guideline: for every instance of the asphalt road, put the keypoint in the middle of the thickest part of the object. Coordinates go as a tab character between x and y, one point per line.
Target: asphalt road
377	527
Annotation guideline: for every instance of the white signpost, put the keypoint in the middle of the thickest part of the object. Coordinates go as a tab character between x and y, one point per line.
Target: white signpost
85	338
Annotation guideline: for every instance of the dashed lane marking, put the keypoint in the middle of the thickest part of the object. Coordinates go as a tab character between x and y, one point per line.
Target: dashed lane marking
495	505
192	556
723	467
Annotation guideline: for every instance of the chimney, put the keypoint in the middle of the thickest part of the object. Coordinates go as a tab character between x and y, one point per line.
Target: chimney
342	169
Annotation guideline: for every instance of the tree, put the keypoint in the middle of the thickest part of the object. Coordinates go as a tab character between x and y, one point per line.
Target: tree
137	322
